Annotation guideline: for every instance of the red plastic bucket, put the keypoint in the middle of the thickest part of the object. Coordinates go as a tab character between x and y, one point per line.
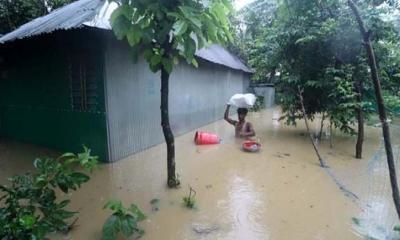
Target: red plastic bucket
203	138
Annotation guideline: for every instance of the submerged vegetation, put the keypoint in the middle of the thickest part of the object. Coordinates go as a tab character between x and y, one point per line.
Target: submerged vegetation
190	200
30	207
122	221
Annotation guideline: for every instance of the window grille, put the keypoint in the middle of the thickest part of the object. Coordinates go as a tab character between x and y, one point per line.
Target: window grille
83	84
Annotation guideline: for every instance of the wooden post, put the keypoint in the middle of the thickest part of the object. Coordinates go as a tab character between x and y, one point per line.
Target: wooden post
321	160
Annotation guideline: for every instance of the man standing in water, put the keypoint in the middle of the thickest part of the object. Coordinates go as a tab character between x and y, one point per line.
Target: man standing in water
243	129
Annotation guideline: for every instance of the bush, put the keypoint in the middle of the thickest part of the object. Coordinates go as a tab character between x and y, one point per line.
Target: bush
30	208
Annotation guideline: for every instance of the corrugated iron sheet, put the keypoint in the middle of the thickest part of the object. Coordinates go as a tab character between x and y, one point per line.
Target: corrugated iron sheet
67	17
217	54
96	13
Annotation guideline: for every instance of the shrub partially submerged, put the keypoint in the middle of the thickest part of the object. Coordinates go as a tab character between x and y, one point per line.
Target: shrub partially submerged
30	208
122	220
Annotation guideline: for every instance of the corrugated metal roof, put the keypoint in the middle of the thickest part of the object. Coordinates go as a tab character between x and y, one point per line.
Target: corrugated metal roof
217	54
96	13
67	17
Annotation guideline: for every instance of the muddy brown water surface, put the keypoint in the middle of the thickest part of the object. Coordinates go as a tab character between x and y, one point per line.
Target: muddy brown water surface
277	193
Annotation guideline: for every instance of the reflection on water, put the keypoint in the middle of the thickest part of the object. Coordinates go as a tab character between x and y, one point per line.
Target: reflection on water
246	209
279	193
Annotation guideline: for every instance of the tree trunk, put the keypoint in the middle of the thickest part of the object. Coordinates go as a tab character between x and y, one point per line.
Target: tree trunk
330	134
321	161
381	107
322	127
168	135
272	76
360	119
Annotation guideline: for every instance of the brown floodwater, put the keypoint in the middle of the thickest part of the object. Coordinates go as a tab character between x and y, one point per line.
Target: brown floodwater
278	193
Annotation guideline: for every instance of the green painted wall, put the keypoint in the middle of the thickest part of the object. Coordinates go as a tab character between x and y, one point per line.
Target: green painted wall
35	95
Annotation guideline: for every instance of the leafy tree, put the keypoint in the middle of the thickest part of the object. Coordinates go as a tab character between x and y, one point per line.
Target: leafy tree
14	13
308	45
252	43
165	32
366	35
315	46
30	208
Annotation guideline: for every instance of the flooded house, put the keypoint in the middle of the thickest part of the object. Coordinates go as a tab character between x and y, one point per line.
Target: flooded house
65	81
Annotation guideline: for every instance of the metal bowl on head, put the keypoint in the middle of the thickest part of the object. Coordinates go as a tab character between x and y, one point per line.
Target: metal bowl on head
251	146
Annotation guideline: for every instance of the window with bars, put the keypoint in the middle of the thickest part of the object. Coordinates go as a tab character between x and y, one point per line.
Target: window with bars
83	84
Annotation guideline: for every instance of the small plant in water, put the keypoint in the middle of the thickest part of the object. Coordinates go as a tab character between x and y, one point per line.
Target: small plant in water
122	221
190	201
30	208
155	204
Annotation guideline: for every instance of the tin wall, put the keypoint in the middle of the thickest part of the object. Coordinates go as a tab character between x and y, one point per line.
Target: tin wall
268	92
197	97
35	93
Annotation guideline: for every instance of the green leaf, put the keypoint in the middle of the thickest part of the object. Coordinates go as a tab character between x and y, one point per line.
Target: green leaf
167	63
128	225
40	181
27	221
180	27
64	203
63	214
138	215
211	31
155	59
195	63
124	10
67	155
38	163
396	228
195	21
186	11
111	228
175	60
63	186
79	177
189	49
154	68
115	205
134	36
120	27
147	54
200	40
